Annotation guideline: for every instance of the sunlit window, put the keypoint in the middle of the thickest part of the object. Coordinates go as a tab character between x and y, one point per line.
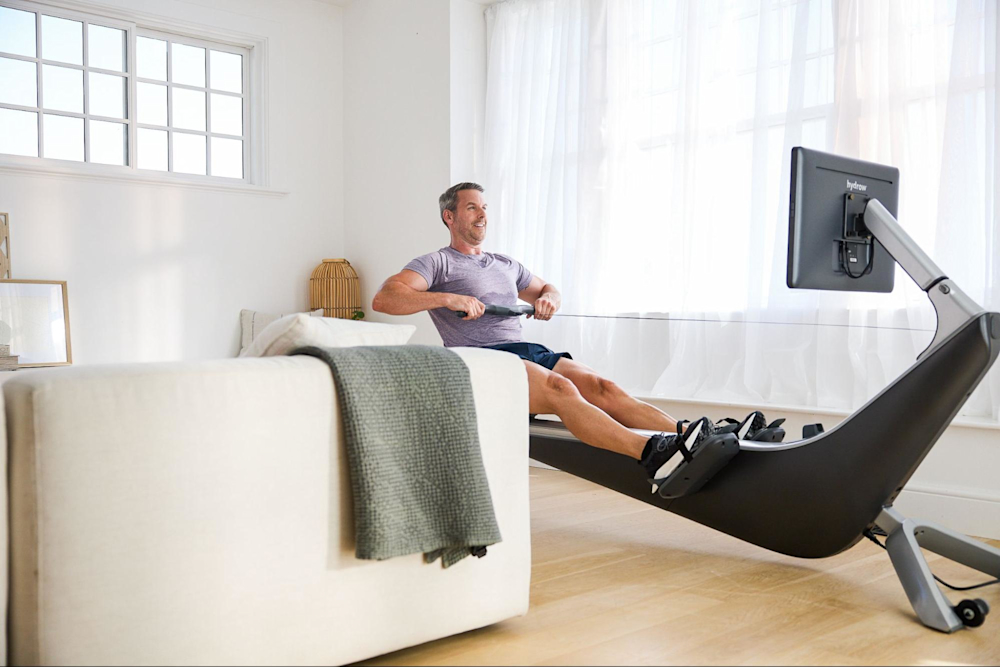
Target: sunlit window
190	107
83	88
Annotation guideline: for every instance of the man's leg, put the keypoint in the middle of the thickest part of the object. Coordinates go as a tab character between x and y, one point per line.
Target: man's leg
613	400
550	392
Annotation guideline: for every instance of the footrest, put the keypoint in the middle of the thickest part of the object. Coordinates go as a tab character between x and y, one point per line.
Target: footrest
707	459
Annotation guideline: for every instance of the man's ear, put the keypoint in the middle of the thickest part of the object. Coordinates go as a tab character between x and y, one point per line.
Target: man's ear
448	216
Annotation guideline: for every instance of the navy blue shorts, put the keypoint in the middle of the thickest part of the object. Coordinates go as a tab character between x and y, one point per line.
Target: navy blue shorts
539	354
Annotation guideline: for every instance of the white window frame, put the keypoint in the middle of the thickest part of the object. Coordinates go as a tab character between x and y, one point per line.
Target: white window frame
85	68
172	39
252	48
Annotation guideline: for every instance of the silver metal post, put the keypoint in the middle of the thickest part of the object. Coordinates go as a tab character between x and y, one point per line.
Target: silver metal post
901	246
954	307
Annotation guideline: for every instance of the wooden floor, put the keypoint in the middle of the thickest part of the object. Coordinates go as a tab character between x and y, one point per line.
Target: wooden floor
617	582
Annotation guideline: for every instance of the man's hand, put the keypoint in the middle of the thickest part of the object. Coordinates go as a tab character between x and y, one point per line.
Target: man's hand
543	296
470	305
546	306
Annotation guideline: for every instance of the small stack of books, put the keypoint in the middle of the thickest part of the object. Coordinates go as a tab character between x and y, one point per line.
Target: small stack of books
8	362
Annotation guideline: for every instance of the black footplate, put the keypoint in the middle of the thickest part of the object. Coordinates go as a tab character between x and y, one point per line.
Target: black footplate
706	460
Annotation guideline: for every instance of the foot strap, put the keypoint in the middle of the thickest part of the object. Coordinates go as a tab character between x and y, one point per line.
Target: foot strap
683	448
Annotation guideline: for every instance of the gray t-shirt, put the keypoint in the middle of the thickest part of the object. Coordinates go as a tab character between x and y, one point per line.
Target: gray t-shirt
491	278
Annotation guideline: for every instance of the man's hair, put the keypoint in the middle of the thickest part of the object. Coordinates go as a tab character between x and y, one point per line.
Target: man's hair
449	200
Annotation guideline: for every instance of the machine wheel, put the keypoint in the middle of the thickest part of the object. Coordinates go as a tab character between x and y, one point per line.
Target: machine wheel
972	612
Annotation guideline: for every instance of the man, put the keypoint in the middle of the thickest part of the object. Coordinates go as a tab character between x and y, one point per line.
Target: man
461	277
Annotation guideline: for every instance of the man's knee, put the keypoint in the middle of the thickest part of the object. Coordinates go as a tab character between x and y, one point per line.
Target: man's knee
602	388
559	387
549	391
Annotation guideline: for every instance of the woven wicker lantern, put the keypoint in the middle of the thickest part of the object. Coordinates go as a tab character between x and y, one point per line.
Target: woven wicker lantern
334	287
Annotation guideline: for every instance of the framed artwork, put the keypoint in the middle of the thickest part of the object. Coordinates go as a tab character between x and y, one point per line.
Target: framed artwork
34	322
4	246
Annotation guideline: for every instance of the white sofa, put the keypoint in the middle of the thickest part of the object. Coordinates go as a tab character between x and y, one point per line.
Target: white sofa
200	513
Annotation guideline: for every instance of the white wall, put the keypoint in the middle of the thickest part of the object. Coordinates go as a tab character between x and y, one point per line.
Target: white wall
414	89
468	90
161	272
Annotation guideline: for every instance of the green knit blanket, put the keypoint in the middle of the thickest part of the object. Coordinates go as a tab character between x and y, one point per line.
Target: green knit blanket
413	451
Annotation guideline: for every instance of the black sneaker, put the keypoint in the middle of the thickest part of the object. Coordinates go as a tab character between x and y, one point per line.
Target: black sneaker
698	431
658	451
661	448
753	427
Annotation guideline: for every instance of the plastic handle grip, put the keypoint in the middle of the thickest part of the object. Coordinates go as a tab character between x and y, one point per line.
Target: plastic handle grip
503	311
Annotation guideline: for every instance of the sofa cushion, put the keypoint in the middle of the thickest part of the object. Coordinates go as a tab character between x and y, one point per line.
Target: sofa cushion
293	331
252	322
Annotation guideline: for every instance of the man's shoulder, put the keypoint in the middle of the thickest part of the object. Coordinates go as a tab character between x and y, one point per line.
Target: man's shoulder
435	256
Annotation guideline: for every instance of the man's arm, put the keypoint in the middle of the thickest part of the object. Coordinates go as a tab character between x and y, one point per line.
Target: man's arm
543	296
406	293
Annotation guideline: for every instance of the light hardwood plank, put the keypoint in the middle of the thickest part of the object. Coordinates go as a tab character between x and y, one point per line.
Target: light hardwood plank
617	582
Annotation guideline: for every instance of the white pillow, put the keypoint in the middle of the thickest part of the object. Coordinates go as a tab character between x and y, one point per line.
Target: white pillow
293	331
253	322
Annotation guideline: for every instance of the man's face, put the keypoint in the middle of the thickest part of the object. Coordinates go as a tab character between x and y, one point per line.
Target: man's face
469	219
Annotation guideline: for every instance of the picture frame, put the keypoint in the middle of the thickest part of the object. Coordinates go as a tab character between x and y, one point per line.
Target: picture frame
34	322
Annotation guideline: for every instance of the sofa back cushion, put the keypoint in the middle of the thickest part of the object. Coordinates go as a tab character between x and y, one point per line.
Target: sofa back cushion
293	331
252	322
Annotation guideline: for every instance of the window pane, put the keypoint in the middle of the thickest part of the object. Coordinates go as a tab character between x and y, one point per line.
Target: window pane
227	114
151	149
189	153
187	65
188	109
19	132
62	88
227	71
18	82
108	143
63	137
227	157
151	58
62	40
17	32
107	95
151	104
106	48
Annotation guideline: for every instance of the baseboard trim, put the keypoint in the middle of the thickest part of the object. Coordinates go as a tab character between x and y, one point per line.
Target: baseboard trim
970	511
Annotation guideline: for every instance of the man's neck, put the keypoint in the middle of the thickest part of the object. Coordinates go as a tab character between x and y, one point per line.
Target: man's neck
465	248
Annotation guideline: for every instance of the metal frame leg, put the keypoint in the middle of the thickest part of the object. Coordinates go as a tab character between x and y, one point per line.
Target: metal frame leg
906	537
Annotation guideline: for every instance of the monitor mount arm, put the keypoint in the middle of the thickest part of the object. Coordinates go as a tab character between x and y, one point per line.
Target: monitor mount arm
954	308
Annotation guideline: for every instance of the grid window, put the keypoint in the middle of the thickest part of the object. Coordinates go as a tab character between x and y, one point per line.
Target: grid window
86	88
60	77
191	107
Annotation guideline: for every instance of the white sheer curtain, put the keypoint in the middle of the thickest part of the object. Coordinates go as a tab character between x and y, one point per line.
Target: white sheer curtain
637	156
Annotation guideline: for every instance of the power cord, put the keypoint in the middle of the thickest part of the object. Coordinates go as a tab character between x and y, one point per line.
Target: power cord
845	263
871	536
